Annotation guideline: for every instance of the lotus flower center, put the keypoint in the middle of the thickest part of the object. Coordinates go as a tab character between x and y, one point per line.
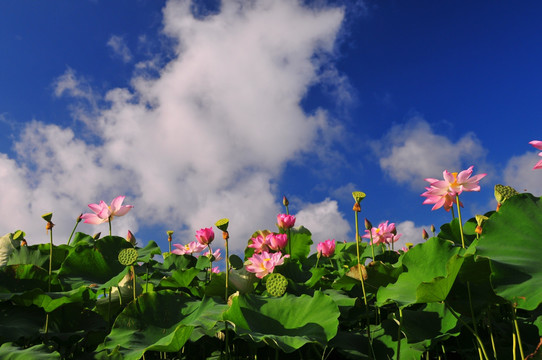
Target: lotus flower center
455	180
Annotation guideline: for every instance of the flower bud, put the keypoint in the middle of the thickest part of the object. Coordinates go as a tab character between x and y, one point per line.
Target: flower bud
368	225
285	201
433	228
425	235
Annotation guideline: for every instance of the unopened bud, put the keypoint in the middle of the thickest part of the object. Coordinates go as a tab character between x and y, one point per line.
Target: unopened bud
96	236
368	225
432	228
285	201
78	220
131	238
425	235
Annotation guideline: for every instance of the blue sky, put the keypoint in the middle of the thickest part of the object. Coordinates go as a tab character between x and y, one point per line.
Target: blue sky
202	110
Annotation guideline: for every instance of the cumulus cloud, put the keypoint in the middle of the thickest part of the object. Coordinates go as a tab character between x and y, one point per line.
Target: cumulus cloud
410	233
412	152
203	140
119	47
519	173
324	221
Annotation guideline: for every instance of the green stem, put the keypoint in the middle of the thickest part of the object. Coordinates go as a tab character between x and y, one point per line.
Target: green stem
470	329
317	260
491	334
109	226
362	281
211	261
460	223
73	231
133	281
516	327
399	334
50	273
109	308
226	294
372	244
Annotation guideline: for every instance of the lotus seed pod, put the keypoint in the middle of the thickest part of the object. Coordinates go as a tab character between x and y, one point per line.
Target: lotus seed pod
358	196
503	193
276	284
222	224
128	256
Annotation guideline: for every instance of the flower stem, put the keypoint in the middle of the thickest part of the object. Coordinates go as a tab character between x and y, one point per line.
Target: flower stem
50	273
109	226
516	328
133	281
470	329
399	334
460	223
361	279
73	231
211	261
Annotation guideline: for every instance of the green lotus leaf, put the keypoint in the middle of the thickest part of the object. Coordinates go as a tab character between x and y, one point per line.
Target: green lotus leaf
158	321
147	253
8	351
300	239
96	264
430	271
53	300
511	240
286	322
20	322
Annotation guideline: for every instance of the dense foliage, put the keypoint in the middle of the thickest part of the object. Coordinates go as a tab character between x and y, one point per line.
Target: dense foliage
438	300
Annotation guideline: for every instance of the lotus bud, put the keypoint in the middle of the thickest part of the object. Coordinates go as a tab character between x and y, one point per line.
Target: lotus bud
285	201
96	236
78	220
425	235
368	225
131	238
433	228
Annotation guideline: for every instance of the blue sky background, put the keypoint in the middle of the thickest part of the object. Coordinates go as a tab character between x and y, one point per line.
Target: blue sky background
202	110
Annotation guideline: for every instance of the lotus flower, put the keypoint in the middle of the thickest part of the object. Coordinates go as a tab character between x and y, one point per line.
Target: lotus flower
285	221
443	192
326	248
215	253
205	236
276	242
383	234
264	263
188	249
104	213
259	243
537	144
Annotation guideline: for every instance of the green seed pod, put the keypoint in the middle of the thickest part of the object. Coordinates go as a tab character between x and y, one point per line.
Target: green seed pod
128	256
222	224
503	193
276	284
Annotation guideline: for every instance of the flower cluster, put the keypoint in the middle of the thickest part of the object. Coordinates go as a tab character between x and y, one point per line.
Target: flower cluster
442	193
383	234
266	241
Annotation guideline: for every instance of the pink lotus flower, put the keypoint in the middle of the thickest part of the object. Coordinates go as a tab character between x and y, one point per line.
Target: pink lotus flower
205	236
276	242
537	144
259	244
383	234
443	192
188	249
264	263
215	270
104	213
326	248
285	221
216	254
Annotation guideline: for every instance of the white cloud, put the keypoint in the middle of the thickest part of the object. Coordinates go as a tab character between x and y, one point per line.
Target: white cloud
324	221
206	139
412	152
410	233
119	47
519	173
